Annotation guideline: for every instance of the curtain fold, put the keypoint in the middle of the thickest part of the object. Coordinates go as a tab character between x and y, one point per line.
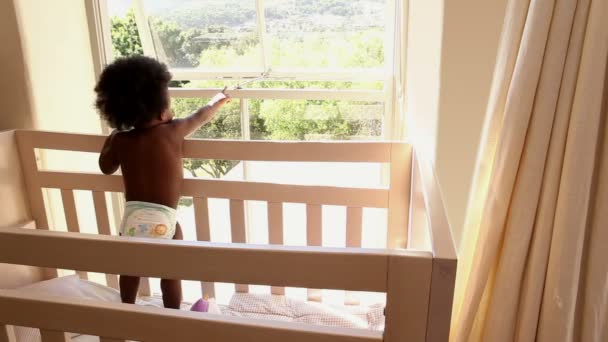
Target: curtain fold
530	269
593	313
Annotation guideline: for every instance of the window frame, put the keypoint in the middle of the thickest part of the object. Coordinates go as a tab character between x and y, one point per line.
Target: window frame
385	74
100	30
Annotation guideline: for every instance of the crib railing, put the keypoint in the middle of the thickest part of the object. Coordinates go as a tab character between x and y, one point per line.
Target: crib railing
404	275
395	198
120	322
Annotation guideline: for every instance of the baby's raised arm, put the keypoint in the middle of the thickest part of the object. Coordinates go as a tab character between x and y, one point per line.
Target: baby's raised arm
194	121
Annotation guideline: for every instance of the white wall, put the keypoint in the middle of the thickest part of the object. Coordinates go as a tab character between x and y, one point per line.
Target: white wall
14	83
423	72
470	42
58	57
14	209
452	50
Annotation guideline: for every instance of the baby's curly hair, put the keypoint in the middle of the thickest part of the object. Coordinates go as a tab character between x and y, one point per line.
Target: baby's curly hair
132	91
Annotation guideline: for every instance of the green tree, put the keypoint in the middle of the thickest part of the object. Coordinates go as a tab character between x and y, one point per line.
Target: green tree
125	38
171	41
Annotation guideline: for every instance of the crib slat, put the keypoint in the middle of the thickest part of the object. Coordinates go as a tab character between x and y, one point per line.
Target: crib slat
107	339
201	215
314	237
29	165
103	226
354	226
144	287
275	223
208	289
69	208
237	226
53	336
275	234
313	225
203	233
71	217
237	220
101	213
7	334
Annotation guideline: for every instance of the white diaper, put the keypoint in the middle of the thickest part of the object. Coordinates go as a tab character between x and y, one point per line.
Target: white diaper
151	220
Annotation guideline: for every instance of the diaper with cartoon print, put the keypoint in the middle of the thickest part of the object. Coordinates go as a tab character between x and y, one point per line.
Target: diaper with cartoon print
149	220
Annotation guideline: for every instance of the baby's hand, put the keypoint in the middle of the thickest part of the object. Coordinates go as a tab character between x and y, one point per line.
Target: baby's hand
221	99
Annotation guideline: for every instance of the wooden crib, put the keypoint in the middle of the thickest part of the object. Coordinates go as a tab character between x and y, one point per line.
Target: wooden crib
416	271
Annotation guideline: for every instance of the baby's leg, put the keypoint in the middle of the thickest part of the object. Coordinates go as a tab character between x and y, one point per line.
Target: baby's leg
172	289
128	288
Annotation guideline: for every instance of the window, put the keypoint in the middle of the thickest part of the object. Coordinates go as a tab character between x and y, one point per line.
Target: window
327	63
314	70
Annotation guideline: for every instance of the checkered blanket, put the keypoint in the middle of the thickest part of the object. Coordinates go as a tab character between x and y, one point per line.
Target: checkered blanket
282	308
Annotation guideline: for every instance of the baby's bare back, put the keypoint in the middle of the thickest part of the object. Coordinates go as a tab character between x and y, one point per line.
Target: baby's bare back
151	163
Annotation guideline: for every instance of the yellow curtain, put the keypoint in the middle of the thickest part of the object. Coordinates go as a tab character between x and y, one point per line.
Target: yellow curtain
533	264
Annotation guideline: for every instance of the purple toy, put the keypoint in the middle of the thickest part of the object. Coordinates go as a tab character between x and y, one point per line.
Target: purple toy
201	305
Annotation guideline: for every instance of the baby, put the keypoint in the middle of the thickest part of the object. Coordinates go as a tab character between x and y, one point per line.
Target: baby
132	96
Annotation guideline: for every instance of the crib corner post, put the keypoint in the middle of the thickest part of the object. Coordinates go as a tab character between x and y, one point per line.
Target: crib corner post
440	302
399	195
7	333
445	257
408	293
29	168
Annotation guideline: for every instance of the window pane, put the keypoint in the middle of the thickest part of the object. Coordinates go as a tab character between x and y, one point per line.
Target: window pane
326	33
315	120
214	34
205	34
125	38
358	175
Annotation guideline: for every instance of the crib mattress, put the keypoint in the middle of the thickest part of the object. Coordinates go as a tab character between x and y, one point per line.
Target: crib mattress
250	305
266	306
282	308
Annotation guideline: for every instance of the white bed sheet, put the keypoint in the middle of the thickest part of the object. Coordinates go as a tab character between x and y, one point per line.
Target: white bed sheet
260	306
